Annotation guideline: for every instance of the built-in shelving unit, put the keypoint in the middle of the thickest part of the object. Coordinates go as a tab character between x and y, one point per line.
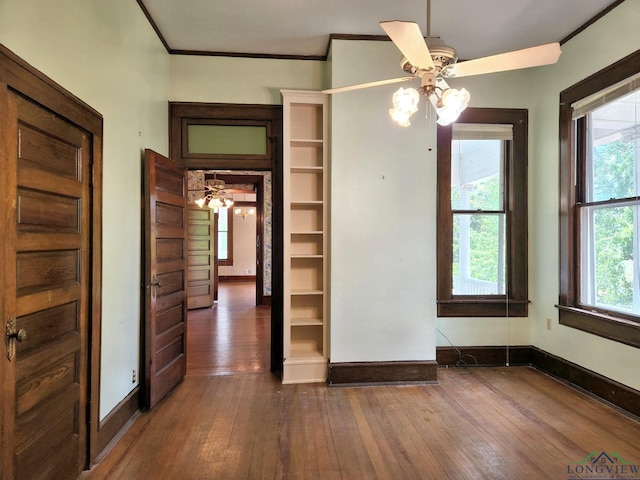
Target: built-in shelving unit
305	236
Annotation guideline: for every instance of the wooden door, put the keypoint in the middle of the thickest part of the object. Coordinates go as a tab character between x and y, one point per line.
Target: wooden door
200	253
46	166
165	275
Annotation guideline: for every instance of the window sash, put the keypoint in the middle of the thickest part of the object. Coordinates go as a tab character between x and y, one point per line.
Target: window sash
603	287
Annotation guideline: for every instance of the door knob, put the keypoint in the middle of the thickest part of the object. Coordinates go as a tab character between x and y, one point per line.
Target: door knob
20	335
14	335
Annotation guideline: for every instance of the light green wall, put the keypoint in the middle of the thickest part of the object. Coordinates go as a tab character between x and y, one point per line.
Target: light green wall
240	80
382	216
107	54
613	37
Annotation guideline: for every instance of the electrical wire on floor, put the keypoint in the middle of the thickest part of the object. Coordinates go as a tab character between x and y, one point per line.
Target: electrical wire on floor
463	360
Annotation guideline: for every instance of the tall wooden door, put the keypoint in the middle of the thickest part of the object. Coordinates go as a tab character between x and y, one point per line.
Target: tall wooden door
200	255
46	230
165	275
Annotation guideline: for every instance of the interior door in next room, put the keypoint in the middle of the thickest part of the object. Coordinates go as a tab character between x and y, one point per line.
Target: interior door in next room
200	257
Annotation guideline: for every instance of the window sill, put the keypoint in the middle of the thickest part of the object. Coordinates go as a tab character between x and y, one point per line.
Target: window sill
600	324
482	308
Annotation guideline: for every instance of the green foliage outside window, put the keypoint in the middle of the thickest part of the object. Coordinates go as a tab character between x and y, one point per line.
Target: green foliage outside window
613	226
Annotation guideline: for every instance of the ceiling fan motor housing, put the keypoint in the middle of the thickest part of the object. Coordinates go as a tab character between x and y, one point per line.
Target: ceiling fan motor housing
442	55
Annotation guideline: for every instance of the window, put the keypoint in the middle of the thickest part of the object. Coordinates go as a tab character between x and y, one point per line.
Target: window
227	136
482	214
225	237
600	203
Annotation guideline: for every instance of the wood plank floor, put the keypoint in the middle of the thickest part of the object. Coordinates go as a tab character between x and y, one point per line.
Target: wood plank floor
485	423
231	337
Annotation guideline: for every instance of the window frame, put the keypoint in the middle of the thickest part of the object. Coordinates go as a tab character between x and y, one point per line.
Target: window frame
613	325
227	262
515	302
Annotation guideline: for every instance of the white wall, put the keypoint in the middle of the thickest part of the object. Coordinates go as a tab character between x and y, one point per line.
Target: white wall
107	54
244	247
382	216
613	37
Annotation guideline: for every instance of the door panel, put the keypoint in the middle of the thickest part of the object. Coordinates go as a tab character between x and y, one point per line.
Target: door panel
47	293
201	248
165	275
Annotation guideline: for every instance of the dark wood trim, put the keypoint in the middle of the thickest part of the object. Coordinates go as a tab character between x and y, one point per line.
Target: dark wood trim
181	114
591	21
154	26
485	356
474	307
95	342
517	303
613	328
236	278
610	325
272	56
266	300
375	373
346	36
37	86
113	425
603	388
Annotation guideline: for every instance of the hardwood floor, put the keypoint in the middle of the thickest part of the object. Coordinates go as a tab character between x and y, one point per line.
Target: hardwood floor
234	420
230	337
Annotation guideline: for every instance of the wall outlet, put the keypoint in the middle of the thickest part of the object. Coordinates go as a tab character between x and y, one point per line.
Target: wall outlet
548	324
133	377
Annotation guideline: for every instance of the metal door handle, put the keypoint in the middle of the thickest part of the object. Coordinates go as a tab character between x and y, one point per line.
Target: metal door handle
14	335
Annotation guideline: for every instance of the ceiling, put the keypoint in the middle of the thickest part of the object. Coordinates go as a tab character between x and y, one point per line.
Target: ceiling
299	28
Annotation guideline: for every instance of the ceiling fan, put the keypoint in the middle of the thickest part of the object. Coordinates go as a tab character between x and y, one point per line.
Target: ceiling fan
432	61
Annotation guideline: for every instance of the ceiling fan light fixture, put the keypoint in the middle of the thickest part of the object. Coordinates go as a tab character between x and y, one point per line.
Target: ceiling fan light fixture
405	104
450	104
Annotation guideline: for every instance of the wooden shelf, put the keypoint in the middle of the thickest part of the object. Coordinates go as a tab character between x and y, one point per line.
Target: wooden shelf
303	169
305	322
309	143
305	242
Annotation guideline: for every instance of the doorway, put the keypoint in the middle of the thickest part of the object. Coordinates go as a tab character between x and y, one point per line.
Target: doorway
192	128
231	332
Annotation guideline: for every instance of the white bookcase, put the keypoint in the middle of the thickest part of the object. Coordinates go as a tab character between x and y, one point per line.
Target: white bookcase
305	236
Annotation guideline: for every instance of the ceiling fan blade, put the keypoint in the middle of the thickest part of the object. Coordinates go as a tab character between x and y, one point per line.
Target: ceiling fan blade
348	88
409	40
528	57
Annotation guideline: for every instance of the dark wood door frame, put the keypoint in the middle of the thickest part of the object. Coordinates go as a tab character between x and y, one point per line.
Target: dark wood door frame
18	76
180	113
